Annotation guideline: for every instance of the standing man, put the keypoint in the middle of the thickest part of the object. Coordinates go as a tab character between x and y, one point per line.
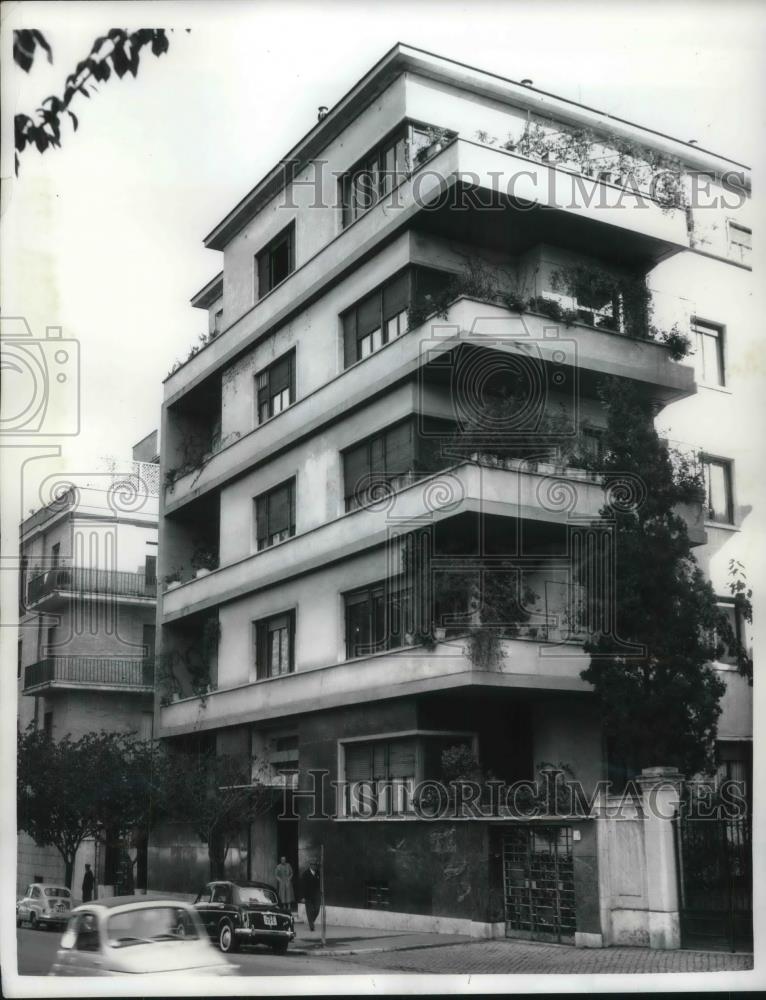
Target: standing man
311	887
283	873
87	885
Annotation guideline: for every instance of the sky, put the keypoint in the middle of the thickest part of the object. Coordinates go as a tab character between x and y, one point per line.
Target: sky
103	238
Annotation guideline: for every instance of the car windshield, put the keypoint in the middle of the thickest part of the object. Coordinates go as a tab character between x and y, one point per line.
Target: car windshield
250	895
55	890
147	924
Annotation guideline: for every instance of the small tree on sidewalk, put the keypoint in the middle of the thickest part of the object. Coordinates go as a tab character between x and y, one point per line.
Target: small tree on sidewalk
218	794
662	706
71	790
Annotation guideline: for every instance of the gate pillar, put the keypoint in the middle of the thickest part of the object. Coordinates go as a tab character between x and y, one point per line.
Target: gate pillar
660	794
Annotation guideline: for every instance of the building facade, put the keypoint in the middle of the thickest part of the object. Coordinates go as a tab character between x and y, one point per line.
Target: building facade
88	585
311	473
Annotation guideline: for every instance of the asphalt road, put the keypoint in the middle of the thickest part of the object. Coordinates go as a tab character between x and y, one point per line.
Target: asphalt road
37	950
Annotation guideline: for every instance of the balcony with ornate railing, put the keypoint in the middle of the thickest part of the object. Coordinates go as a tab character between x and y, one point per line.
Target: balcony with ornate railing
101	672
61	583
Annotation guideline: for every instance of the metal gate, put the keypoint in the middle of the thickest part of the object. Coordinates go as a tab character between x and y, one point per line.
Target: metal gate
538	882
715	867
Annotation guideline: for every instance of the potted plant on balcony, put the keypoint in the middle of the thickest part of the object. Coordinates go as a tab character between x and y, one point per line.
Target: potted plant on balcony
437	140
203	561
173	579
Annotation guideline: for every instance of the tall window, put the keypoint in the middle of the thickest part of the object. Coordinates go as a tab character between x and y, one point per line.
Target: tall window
719	503
380	170
376	618
48	724
56	555
380	776
274	645
740	242
385	458
276	261
275	515
377	319
708	353
275	387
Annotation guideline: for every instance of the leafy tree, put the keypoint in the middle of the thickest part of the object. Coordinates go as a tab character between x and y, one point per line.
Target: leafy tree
661	706
218	794
70	790
118	51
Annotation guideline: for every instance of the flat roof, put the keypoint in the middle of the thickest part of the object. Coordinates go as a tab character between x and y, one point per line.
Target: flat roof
402	58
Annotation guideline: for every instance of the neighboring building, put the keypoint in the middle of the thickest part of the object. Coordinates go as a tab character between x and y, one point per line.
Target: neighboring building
313	432
88	587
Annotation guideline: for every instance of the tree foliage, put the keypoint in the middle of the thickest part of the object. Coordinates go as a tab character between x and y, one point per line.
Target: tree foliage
70	790
117	52
662	706
219	794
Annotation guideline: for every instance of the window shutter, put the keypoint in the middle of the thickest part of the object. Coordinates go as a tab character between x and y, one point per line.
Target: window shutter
358	762
368	315
279	510
279	375
261	517
396	295
349	338
377	455
401	759
263	274
356	469
400	453
379	760
261	662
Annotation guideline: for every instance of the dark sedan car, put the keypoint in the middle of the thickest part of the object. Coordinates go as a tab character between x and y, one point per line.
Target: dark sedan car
237	913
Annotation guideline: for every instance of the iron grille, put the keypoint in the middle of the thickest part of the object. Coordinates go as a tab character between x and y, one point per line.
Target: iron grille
538	876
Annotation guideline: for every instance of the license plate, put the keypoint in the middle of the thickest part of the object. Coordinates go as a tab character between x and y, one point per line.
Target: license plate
270	920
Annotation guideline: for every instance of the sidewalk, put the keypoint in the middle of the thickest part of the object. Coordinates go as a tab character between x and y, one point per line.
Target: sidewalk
341	940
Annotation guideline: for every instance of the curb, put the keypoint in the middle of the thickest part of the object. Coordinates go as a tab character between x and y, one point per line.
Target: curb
370	951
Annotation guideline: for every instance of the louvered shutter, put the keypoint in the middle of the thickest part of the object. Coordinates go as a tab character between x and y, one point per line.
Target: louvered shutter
379	761
349	338
356	469
396	295
400	455
279	375
263	274
401	759
279	510
368	315
262	519
358	762
377	455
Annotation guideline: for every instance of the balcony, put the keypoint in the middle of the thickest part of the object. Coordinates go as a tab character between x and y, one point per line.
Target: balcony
103	673
591	351
57	587
409	671
560	207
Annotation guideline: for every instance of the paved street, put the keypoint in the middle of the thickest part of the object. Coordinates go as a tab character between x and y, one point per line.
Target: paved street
37	949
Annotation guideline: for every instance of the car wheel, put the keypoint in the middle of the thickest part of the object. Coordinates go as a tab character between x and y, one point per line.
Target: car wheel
33	921
280	947
226	940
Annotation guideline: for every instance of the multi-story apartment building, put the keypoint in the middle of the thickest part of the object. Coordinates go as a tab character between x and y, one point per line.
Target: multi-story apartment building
316	430
88	586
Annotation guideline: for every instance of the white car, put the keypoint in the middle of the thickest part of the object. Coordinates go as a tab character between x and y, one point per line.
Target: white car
44	906
137	935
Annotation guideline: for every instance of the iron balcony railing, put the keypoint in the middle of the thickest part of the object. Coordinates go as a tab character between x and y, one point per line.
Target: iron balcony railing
91	670
75	580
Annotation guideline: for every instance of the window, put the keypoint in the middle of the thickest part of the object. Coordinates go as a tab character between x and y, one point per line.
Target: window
150	571
221	894
387	458
86	933
382	169
275	387
377	895
718	492
378	319
740	242
275	515
275	646
48	724
276	261
55	555
379	777
708	352
377	618
736	621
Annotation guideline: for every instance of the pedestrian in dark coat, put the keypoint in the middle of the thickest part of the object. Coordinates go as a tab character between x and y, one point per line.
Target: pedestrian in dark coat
87	885
311	887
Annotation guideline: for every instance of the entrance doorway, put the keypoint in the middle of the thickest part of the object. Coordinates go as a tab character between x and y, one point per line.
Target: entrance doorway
538	883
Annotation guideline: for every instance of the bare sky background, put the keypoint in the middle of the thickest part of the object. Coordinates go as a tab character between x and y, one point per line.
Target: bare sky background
103	237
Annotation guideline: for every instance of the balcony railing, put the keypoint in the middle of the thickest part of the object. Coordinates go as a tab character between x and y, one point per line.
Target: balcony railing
95	671
76	580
